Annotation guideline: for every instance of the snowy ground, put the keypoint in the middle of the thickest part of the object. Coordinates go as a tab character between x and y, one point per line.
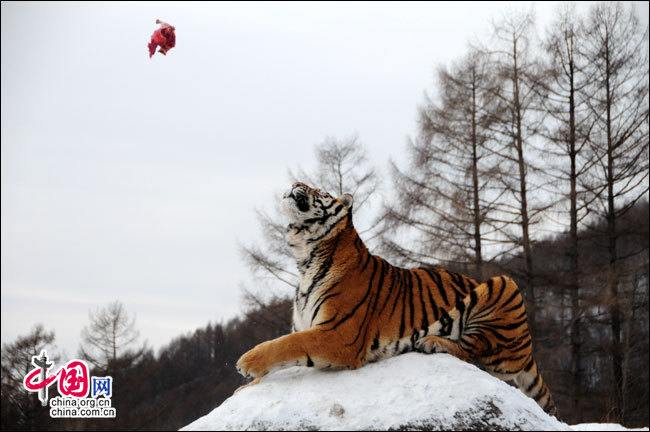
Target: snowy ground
602	427
411	391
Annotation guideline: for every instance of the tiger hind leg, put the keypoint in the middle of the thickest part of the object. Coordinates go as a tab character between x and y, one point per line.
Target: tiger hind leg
490	329
500	315
529	382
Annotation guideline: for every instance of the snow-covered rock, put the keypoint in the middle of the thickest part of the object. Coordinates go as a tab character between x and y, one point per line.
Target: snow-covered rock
603	427
410	391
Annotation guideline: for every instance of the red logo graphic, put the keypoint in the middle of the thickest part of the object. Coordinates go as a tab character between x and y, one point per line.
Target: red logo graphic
73	378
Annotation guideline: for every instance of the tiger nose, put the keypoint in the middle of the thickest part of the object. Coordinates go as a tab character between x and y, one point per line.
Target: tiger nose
299	185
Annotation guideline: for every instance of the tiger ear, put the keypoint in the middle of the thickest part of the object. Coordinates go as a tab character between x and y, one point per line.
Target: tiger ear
347	200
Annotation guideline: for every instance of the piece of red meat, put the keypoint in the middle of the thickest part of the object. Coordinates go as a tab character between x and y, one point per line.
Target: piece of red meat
163	37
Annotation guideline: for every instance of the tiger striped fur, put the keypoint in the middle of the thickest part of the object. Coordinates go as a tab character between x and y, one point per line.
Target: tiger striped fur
352	307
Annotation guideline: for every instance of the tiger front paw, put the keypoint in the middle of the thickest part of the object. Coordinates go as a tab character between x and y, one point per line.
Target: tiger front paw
253	364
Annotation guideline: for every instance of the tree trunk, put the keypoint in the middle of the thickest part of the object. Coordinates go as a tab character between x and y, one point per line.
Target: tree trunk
612	273
478	256
525	240
574	284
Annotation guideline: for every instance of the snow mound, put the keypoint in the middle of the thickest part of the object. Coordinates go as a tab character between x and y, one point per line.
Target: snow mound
410	391
603	427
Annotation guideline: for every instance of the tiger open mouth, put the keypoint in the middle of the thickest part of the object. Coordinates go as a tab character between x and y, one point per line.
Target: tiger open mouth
302	202
300	196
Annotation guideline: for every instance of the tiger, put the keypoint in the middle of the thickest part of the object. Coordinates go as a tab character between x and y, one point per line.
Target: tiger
352	307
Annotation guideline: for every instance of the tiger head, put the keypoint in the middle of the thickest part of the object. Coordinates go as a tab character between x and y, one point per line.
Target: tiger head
314	212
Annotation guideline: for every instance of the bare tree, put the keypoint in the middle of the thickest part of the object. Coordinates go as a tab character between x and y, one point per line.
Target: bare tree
617	51
19	408
567	129
520	117
110	338
342	167
447	195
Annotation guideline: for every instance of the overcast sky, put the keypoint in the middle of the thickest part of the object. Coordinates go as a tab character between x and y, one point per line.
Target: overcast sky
136	179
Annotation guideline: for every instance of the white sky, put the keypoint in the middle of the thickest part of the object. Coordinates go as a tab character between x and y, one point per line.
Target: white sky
131	178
